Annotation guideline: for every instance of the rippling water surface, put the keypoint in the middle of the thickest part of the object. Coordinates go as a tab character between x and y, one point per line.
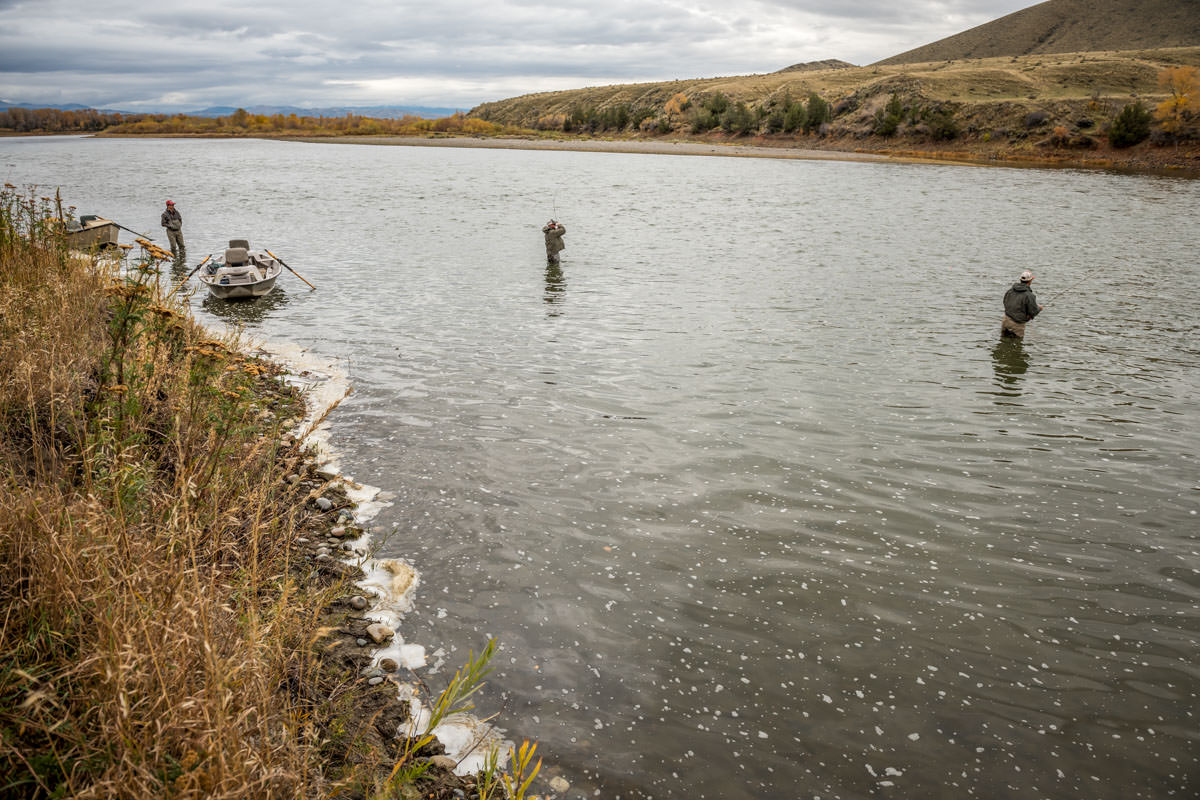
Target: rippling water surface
749	490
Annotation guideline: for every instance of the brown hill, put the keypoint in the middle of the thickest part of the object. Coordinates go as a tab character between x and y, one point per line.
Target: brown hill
813	66
1020	83
1070	26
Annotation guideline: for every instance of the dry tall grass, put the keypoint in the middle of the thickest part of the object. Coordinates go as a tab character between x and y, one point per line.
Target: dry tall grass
153	635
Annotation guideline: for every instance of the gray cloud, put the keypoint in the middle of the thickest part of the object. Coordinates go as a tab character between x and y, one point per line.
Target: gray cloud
459	53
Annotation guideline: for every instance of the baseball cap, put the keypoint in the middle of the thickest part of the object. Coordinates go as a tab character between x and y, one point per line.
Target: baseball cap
170	202
1026	276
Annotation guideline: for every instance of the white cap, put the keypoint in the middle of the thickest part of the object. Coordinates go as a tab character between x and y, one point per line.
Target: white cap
1026	276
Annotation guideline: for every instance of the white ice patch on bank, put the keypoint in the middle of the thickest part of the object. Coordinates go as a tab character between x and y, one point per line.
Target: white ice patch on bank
391	583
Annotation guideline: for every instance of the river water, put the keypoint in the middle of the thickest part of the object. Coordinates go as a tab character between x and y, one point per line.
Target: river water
750	492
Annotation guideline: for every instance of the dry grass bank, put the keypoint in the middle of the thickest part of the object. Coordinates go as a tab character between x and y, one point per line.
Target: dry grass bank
165	630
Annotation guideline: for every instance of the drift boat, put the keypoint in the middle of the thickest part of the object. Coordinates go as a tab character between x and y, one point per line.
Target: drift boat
241	273
92	232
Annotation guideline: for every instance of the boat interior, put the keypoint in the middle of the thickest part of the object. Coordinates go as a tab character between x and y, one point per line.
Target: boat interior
239	264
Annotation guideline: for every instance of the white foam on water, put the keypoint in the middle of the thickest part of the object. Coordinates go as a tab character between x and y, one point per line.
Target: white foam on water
390	582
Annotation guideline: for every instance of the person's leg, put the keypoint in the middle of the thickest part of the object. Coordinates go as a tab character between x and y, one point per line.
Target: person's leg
177	247
1009	328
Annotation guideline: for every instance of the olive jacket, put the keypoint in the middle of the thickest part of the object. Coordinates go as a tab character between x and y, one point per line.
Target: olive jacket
554	239
1020	305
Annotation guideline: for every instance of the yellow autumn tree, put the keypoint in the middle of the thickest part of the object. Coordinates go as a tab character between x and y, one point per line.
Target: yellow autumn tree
677	104
1180	109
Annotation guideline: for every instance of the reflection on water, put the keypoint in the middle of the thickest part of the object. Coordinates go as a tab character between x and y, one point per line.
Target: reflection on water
247	312
1010	363
556	287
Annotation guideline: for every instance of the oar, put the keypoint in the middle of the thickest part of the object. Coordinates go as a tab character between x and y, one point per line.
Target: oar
131	230
189	275
297	274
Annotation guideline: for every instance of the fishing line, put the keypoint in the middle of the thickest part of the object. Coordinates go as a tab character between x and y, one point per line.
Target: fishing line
1086	275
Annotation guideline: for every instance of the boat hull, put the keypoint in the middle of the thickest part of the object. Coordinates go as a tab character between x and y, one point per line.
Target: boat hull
242	292
97	233
242	281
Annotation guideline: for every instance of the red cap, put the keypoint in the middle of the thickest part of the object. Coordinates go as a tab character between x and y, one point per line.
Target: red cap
170	202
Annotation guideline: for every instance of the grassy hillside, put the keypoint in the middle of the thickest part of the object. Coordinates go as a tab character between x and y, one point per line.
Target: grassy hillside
998	91
1052	77
1070	26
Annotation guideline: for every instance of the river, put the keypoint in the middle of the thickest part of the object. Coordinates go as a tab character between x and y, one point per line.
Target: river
749	490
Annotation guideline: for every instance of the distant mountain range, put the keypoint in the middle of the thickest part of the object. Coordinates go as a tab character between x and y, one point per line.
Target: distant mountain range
379	112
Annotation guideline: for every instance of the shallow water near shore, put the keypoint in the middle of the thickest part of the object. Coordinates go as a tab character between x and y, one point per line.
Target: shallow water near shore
749	490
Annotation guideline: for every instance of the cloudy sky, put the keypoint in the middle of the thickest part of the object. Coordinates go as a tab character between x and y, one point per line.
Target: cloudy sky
163	56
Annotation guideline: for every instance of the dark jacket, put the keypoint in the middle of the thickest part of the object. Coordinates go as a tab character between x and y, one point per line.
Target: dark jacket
1019	303
554	242
171	219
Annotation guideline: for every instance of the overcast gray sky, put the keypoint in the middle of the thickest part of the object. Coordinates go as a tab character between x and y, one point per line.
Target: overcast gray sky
144	55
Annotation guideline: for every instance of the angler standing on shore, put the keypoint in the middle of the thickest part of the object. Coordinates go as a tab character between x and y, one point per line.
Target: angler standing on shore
1020	306
554	241
174	225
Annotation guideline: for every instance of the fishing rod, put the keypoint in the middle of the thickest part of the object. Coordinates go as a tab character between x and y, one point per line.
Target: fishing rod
1086	275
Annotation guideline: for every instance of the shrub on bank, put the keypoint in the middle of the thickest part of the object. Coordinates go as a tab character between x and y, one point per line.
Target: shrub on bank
1130	126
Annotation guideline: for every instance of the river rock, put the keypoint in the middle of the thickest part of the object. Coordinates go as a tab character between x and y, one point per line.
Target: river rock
444	762
389	665
361	642
358	602
324	503
374	681
338	532
559	784
380	632
293	479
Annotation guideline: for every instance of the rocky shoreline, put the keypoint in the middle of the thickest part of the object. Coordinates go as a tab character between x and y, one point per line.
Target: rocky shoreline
366	668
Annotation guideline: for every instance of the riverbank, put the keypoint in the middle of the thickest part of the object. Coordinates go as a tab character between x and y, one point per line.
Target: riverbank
1182	160
179	620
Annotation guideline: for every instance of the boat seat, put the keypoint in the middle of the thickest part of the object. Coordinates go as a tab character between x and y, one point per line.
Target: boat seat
237	256
242	243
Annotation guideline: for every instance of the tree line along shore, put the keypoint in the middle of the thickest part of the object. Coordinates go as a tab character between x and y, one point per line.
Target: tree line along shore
1138	109
173	622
